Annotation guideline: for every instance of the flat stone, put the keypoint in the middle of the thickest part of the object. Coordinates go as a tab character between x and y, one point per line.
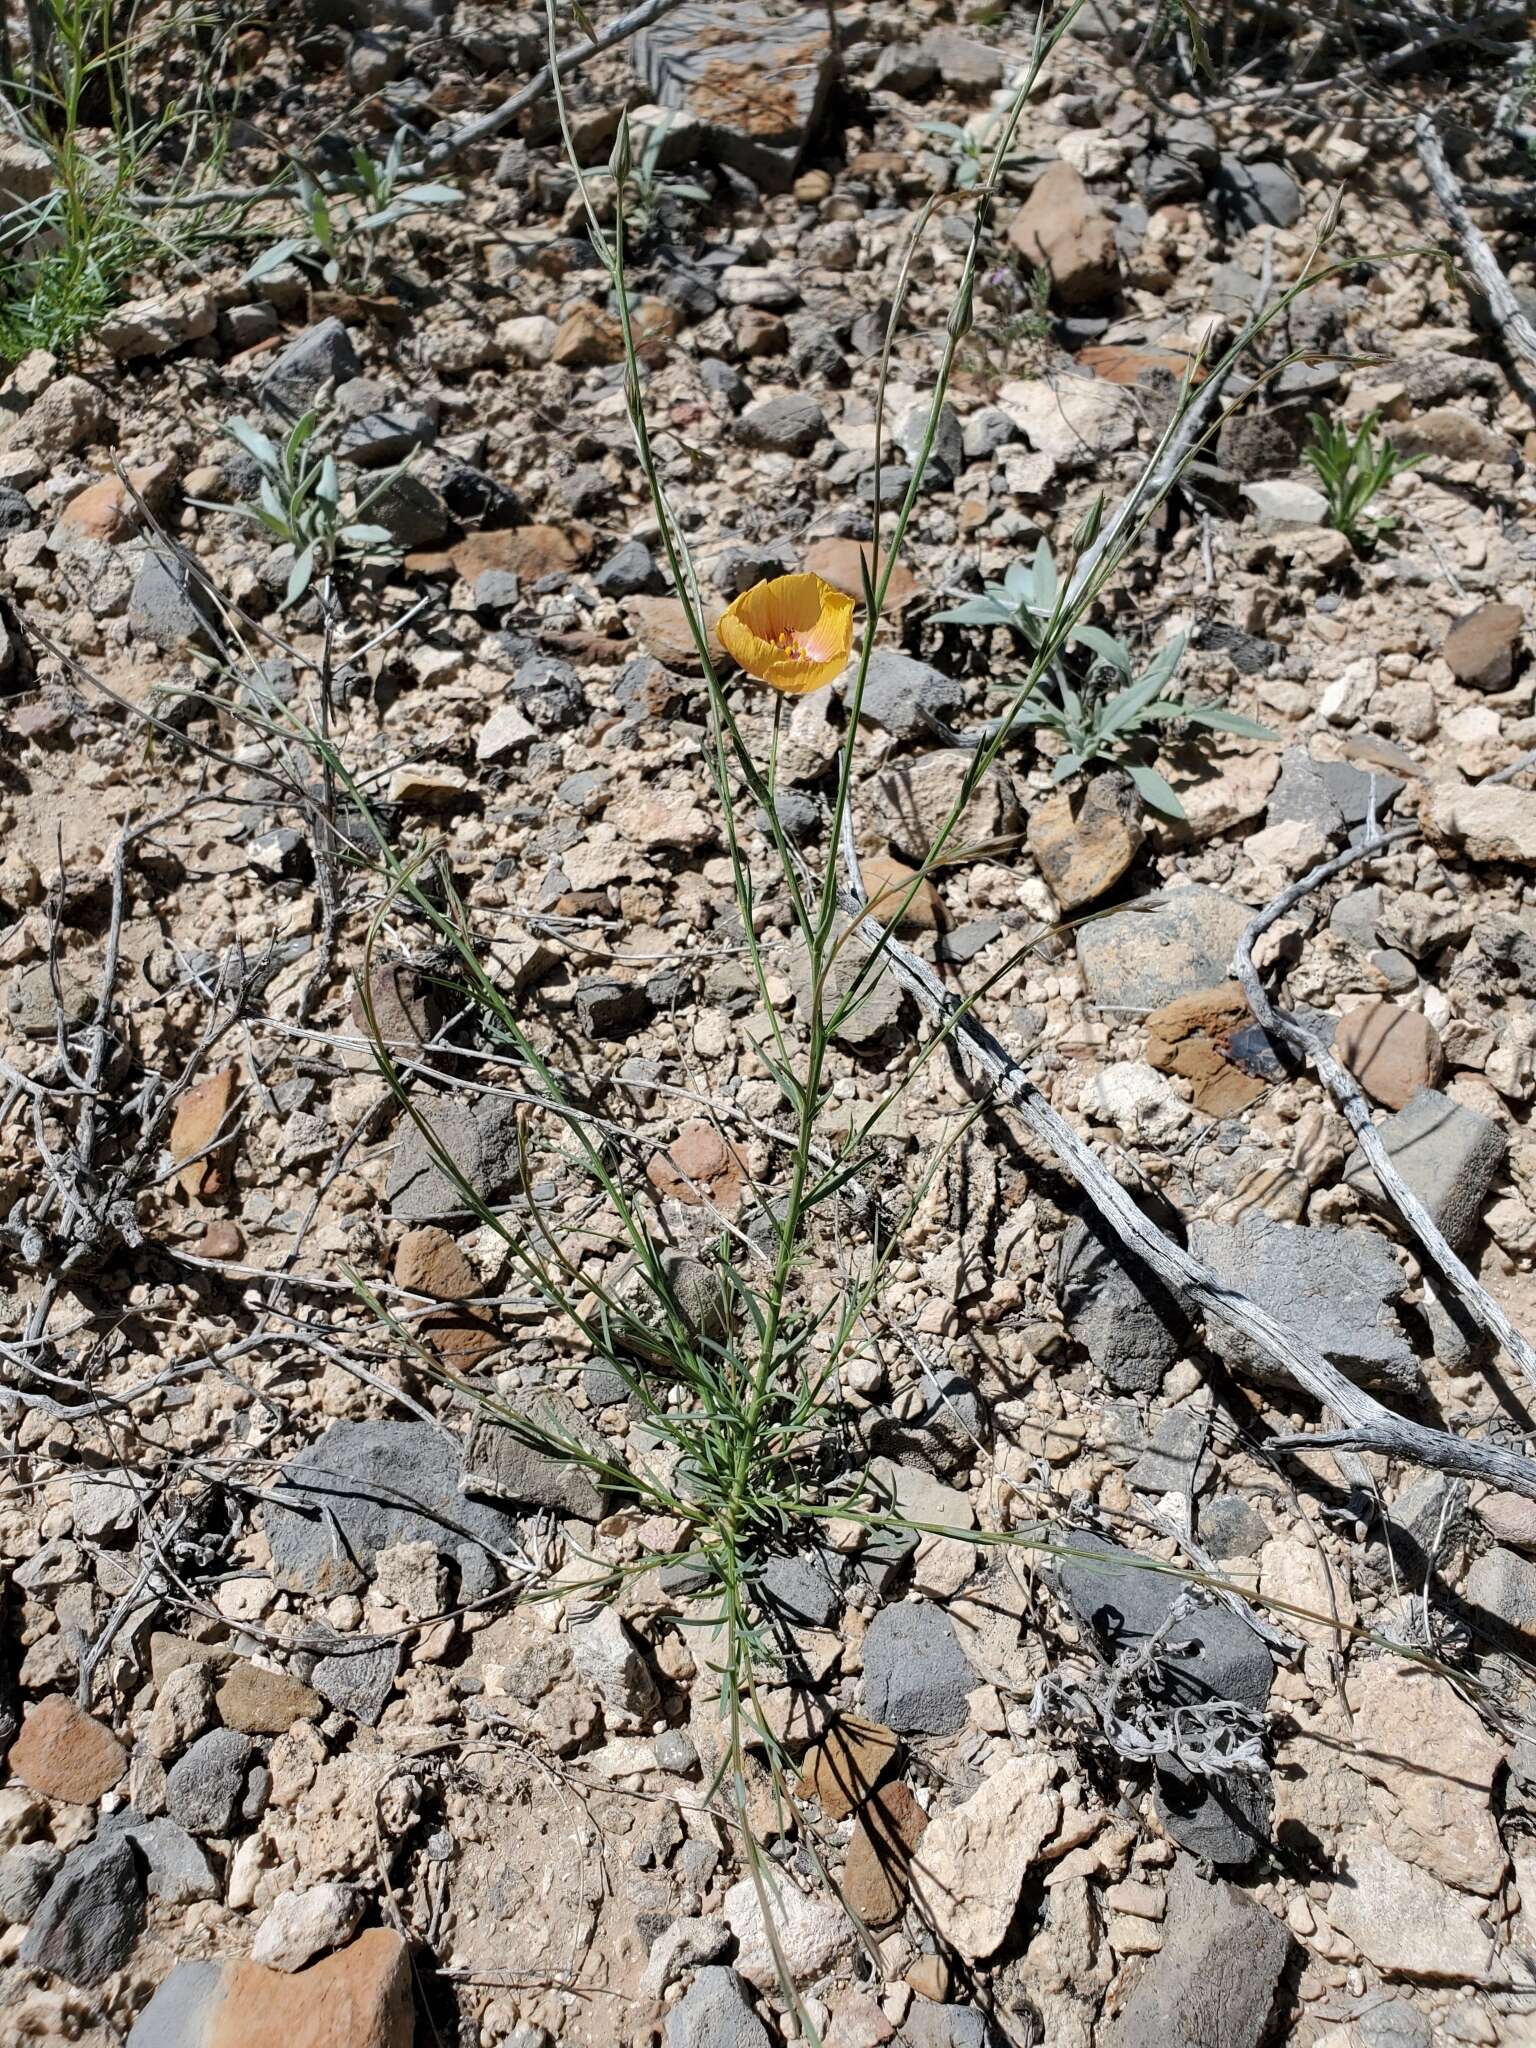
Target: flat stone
481	1138
1076	420
877	1876
526	552
304	1922
1191	1037
838	562
715	2012
976	1856
1504	1587
500	1466
1213	1983
1284	505
1393	1052
1481	648
1449	1155
1407	1721
916	800
1335	1287
809	1930
757	78
65	1753
205	1788
844	1768
91	1915
1084	839
895	891
179	1869
1407	1923
356	1675
365	1486
904	697
916	1676
321	354
783	426
1492	822
1142	959
1130	1327
259	1701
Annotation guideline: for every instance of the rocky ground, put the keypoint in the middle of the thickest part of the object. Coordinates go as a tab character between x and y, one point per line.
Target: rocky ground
292	1758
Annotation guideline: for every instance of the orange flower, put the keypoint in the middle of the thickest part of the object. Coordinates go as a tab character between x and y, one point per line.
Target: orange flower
793	632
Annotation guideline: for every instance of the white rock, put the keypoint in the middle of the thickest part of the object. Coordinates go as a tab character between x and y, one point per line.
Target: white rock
1407	1923
505	736
809	1928
1141	1103
1285	505
1280	853
1074	419
1493	822
975	1857
1347	699
303	1924
527	339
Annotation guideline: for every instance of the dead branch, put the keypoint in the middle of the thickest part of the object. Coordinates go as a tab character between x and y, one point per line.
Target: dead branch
1356	1111
1365	1424
1515	330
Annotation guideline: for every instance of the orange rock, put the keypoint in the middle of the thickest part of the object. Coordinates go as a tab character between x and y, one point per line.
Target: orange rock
1120	364
195	1128
661	627
1084	839
1392	1052
106	510
700	1165
526	551
877	1876
845	1767
887	880
1186	1037
587	335
358	1998
838	562
427	1261
65	1753
1062	226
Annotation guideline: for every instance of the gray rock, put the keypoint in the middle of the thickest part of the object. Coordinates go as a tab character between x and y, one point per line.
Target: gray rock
726	381
549	692
1229	1527
799	815
1335	1287
716	2012
364	1486
1329	794
986	431
1213	1983
1256	195
1390	2023
1214	1656
947	457
632	572
1171	1461
386	432
180	2015
501	1465
1163	177
1141	959
179	1870
675	1752
904	69
903	696
321	354
781	63
1508	942
1449	1155
411	513
357	1675
170	604
783	426
206	1786
479	1137
875	1016
948	2026
606	1008
1124	1601
916	1676
33	1008
1503	1585
965	65
25	1875
613	1663
91	1915
801	1588
1131	1329
16	515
